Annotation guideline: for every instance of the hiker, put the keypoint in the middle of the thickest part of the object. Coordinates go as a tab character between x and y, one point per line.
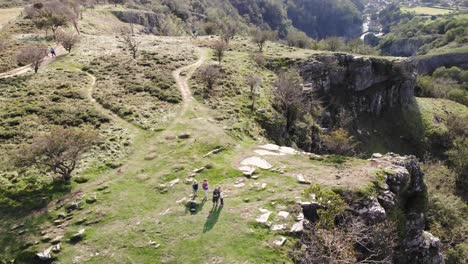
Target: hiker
195	187
221	196
205	188
215	197
52	52
192	204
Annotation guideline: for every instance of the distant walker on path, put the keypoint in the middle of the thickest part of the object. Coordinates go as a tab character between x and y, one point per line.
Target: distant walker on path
52	52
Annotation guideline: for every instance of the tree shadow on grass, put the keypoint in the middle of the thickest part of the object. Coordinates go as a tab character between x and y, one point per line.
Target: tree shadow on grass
212	218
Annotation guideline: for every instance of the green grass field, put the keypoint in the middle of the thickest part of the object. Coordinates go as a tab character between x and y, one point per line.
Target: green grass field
423	10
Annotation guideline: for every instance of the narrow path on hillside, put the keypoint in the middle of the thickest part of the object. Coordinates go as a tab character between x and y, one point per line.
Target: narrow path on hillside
60	51
182	81
108	113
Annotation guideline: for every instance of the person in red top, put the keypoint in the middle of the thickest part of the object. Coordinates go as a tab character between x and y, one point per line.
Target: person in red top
205	188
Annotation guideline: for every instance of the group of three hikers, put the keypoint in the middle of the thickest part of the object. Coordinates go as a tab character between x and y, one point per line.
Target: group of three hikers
218	195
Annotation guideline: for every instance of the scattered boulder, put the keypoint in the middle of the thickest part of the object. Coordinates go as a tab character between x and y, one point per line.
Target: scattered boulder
271	147
91	199
199	170
103	187
263	218
173	182
298	227
181	200
278	227
75	205
56	248
46	238
14	227
151	156
256	162
248	171
300	217
56	240
280	241
263	152
283	214
214	151
184	136
287	151
377	156
371	210
302	179
45	255
78	236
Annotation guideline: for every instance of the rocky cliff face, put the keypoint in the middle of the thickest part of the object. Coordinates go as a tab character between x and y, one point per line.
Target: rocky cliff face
150	21
429	63
369	85
402	192
404	188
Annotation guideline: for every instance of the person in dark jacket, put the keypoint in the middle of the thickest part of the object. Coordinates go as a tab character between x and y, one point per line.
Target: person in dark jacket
195	188
215	197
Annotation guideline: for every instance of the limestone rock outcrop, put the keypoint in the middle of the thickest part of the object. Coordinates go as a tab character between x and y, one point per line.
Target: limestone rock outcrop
363	84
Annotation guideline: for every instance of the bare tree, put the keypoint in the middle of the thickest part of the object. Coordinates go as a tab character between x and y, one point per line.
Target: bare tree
220	48
210	75
130	41
260	37
68	40
58	151
229	31
73	13
33	54
253	81
288	95
46	20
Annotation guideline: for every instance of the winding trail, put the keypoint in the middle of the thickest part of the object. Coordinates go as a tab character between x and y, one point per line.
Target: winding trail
99	107
60	51
182	81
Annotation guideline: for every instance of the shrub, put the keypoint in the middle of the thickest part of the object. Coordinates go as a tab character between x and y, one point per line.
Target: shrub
340	142
210	28
332	44
334	204
210	75
299	39
259	58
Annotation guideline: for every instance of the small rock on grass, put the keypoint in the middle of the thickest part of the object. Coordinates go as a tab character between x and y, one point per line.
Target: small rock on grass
283	214
184	136
302	179
78	236
280	241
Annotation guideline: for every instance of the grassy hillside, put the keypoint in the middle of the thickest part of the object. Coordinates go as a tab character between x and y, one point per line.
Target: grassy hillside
159	131
424	10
